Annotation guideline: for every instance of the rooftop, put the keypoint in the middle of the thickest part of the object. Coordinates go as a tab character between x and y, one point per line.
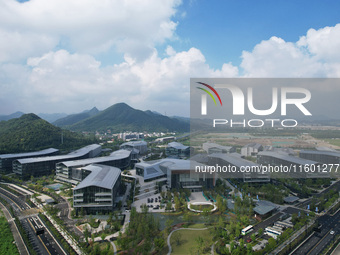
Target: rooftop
215	145
291	199
328	153
77	153
100	176
177	146
134	143
234	159
263	209
28	154
254	145
117	155
286	157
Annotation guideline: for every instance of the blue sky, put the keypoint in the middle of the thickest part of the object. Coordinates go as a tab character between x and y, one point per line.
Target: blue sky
67	56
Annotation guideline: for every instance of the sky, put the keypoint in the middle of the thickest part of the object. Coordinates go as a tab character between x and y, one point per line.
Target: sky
66	56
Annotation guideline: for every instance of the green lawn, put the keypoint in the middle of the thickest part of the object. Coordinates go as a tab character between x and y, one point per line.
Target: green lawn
188	241
335	142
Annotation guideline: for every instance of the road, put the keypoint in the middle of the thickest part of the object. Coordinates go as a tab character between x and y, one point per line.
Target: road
42	244
319	241
46	238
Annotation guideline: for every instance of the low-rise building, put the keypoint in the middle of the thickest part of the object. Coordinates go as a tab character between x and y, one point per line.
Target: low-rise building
297	167
177	150
251	149
140	147
211	148
72	171
327	157
180	174
232	165
41	166
6	160
98	191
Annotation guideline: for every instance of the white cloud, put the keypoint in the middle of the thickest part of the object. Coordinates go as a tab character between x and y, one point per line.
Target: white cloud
315	55
67	82
58	41
86	26
324	43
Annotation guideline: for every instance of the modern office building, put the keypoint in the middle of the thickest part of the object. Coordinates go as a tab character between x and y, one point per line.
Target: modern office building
236	167
327	157
141	147
295	164
179	173
97	193
177	150
72	171
251	149
211	148
45	165
6	160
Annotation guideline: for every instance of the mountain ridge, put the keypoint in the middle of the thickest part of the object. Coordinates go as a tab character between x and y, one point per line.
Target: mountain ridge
122	117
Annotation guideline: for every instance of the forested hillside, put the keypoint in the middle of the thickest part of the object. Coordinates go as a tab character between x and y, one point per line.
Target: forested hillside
31	133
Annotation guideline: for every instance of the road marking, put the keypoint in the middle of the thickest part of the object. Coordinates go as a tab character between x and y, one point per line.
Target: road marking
318	243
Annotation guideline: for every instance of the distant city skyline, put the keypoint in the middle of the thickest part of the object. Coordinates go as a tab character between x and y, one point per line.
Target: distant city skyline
69	56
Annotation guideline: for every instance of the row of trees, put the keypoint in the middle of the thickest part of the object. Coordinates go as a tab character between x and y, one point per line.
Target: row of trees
142	233
7	245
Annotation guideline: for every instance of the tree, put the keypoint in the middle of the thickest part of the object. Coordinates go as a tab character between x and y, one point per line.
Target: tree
177	204
200	243
271	243
86	234
187	217
159	243
168	224
82	212
168	206
168	195
177	236
260	231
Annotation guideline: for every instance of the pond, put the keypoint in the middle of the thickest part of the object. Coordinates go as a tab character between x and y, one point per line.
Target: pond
180	219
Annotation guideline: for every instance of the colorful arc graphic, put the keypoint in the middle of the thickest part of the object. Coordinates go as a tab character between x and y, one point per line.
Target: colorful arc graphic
212	89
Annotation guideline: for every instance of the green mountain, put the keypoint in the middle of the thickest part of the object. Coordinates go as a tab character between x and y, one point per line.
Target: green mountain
11	116
121	117
31	133
74	118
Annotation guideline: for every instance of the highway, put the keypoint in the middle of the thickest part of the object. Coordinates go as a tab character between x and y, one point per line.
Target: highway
46	239
319	241
43	243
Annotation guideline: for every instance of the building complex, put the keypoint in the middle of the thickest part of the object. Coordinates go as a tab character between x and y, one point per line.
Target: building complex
177	150
98	192
178	172
72	171
6	160
41	166
237	167
216	148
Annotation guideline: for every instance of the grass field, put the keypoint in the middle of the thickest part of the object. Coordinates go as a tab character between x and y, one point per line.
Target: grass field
335	142
188	241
